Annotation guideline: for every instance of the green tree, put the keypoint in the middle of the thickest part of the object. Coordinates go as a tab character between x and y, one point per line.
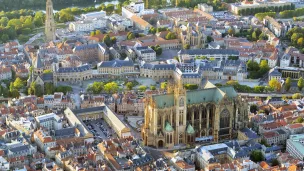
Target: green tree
186	46
231	31
47	71
18	83
275	162
254	36
96	87
97	32
4	38
170	36
264	142
256	156
252	66
130	36
107	40
209	39
152	87
287	84
253	108
275	84
63	89
298	120
297	96
92	33
129	85
152	30
163	85
49	88
191	86
113	40
142	88
300	84
111	87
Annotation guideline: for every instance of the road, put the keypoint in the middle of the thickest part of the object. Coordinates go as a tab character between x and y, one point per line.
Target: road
32	39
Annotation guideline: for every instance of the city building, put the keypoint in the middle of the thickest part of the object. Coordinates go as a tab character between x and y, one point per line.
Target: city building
72	74
216	54
294	146
181	116
116	69
49	121
92	52
205	8
145	53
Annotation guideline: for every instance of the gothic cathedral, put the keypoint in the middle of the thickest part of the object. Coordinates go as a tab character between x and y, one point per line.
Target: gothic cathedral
183	117
50	26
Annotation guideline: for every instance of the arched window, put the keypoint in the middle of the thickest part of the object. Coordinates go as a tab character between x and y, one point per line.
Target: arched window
225	119
181	102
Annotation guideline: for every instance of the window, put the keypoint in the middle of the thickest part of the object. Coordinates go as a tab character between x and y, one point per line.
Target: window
181	102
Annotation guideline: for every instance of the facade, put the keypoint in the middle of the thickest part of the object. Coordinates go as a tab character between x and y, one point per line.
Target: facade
236	7
205	8
275	137
92	52
181	116
145	53
5	73
157	71
87	25
49	121
216	54
277	28
116	69
50	26
72	74
274	74
295	146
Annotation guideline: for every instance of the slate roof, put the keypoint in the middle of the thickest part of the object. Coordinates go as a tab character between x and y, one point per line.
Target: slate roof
87	110
274	72
74	69
249	133
208	51
47	77
38	63
196	96
65	132
158	66
115	63
19	148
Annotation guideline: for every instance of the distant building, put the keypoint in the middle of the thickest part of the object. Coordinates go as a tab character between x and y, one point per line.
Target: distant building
116	69
145	53
205	8
49	121
93	15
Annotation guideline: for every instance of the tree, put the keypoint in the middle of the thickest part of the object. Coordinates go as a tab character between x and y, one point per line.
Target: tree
107	40
297	96
130	36
231	31
158	50
97	32
252	66
256	156
18	83
92	33
186	46
152	30
4	38
298	120
275	84
300	84
287	84
209	39
170	36
111	87
163	85
152	87
113	40
142	88
64	89
47	71
49	88
275	162
130	85
254	36
264	142
300	42
191	86
96	87
253	108
35	89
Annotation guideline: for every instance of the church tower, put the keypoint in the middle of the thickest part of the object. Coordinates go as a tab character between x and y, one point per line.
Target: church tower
50	27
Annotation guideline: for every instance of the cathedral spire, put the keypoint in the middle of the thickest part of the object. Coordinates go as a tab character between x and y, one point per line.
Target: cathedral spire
50	26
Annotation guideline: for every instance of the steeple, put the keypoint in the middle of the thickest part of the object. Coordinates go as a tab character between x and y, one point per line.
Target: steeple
50	26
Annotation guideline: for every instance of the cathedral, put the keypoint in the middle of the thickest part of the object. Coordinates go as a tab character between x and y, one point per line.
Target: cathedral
183	117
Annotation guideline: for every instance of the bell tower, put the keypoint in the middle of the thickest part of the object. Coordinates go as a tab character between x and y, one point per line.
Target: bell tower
50	26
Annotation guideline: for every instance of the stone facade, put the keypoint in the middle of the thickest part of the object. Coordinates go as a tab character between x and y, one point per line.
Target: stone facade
50	26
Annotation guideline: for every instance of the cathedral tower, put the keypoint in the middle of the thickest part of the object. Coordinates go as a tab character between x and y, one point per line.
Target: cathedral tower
50	27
